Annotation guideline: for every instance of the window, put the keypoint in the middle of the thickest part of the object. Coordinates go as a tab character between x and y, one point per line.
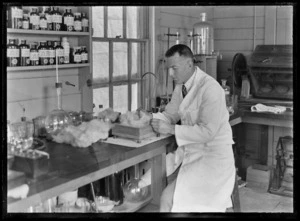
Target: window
120	47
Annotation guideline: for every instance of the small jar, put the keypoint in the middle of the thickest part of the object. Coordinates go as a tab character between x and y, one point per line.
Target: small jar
34	54
84	55
77	22
68	20
13	53
44	60
34	20
16	16
25	53
59	52
57	19
43	22
77	55
84	22
25	21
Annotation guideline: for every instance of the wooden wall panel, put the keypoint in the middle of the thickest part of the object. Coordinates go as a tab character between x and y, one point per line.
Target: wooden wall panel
238	34
237	11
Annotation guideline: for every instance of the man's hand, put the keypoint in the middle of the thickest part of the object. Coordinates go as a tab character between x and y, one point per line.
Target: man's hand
162	127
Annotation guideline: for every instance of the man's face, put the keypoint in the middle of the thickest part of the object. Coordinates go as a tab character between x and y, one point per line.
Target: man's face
179	68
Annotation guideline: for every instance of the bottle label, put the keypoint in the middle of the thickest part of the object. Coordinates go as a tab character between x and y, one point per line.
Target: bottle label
66	59
77	58
51	53
84	56
12	52
25	24
34	19
25	52
17	13
42	53
69	21
49	18
57	18
60	52
43	23
77	26
47	53
34	56
85	22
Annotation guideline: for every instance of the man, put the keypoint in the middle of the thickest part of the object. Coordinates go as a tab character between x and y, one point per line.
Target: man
207	172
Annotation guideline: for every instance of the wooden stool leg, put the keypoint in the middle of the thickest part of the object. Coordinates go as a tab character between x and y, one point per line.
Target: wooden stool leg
235	197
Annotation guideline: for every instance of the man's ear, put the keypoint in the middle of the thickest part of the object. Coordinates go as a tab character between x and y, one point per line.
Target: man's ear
191	62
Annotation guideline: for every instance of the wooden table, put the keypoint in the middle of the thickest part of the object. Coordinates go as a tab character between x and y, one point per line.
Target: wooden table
71	167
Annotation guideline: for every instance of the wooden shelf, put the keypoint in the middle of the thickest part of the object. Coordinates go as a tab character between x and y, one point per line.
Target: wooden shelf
42	32
45	67
128	207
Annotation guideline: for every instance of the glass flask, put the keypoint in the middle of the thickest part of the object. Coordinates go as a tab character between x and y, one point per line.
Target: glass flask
132	190
57	119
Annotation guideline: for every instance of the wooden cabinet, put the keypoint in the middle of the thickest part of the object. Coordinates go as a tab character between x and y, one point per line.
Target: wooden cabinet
33	87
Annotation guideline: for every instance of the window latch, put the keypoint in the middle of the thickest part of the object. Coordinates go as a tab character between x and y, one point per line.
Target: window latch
118	36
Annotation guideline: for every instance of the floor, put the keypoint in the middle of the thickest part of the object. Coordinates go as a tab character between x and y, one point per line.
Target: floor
253	200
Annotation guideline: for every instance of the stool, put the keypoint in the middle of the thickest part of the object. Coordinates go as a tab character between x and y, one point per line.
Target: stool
235	198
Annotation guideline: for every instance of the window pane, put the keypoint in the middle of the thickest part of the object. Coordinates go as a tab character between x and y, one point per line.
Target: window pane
135	94
98	21
120	100
100	97
120	65
132	22
115	21
136	60
100	62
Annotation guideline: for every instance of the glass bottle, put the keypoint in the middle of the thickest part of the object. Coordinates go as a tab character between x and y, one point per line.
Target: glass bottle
34	54
43	53
226	89
77	22
25	53
77	55
25	21
48	14
68	20
84	55
15	16
34	19
57	19
43	22
84	22
66	47
51	53
13	53
59	52
57	119
203	36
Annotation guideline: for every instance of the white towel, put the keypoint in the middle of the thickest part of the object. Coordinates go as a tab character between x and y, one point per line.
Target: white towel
264	108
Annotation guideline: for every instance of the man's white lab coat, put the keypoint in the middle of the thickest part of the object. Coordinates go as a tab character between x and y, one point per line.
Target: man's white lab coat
206	178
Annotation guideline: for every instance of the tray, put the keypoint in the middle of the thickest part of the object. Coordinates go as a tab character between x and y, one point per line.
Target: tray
135	133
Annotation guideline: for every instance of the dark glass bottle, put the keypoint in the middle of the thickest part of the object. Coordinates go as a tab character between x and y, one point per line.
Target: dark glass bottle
25	53
77	55
34	54
77	22
34	19
59	52
43	22
25	21
51	51
84	22
48	14
13	53
68	20
84	55
43	53
15	16
57	19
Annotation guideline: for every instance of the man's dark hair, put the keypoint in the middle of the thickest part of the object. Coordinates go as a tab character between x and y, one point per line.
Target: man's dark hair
182	50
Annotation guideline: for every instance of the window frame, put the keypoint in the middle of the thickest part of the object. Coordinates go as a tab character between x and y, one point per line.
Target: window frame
144	42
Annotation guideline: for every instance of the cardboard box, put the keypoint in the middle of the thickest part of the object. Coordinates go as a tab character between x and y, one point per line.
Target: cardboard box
258	176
